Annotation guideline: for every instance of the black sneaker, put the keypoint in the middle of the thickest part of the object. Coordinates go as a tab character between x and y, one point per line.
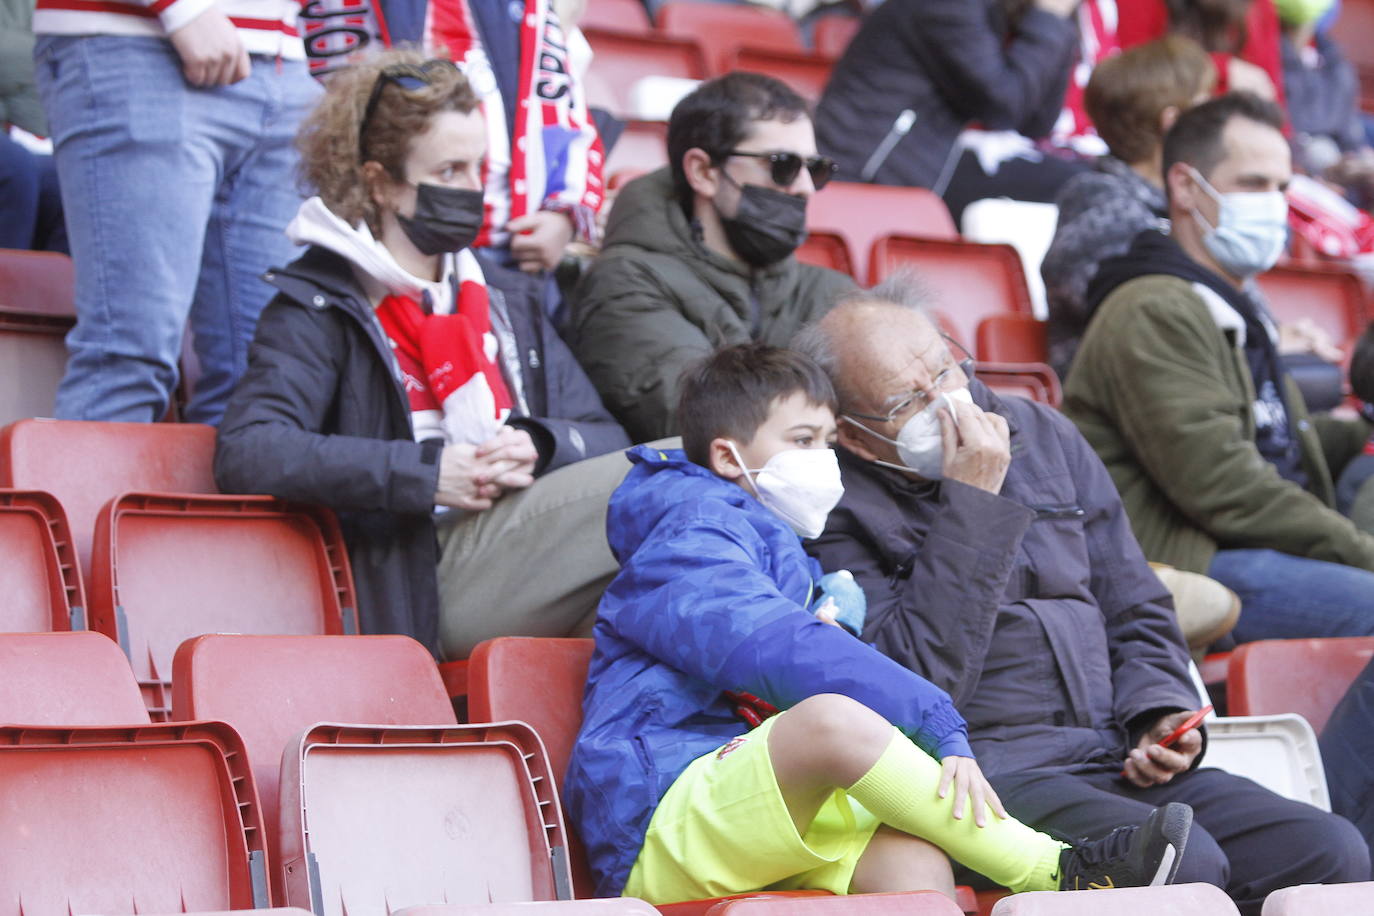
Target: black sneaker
1137	856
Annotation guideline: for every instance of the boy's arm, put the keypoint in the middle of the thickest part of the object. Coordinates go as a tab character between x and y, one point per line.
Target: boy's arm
696	598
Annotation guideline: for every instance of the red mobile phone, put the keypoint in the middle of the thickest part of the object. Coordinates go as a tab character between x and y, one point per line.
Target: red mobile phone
1191	722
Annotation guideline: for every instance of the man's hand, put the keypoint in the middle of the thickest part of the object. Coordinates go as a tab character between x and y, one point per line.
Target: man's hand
1148	764
1243	76
969	783
1306	336
510	458
464	481
977	447
538	239
211	51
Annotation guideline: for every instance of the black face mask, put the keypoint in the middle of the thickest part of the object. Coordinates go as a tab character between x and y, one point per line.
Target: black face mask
767	227
446	219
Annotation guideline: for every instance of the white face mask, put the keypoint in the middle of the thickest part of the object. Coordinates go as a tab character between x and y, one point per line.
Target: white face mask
1251	230
799	486
918	443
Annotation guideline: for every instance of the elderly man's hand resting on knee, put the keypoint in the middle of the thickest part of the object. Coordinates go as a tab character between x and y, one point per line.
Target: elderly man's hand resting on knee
977	445
474	476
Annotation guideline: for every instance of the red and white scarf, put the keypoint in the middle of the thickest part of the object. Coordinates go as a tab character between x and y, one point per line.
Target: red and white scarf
551	102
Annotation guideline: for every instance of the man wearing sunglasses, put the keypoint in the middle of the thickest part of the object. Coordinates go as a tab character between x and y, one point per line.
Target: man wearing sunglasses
700	254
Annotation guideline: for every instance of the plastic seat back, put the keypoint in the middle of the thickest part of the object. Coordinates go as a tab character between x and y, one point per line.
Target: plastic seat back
623	60
128	819
910	903
1332	298
1013	338
826	249
804	73
862	213
169	567
606	906
1321	899
85	464
376	819
641	147
1025	225
1035	381
78	678
616	16
1176	900
270	688
970	281
1305	676
43	586
36	312
723	29
1351	31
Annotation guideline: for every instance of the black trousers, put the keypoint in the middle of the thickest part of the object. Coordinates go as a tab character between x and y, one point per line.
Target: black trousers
1245	839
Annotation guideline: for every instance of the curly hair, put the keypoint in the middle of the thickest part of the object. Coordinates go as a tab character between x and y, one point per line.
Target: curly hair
329	142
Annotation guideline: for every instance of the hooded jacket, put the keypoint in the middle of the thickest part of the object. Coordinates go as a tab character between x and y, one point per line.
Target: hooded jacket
321	416
657	299
1032	606
711	596
1162	390
950	63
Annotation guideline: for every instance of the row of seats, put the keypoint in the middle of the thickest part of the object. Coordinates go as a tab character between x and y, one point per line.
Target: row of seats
343	784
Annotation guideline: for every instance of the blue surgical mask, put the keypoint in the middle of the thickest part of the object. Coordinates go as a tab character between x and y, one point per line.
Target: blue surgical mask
1251	230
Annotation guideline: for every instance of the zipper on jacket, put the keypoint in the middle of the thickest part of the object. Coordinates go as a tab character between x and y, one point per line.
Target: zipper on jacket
1055	513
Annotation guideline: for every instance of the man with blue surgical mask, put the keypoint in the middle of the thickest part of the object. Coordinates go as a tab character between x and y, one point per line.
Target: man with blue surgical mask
998	563
1180	389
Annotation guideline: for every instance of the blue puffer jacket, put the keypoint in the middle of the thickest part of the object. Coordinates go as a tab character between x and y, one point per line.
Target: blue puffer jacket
711	596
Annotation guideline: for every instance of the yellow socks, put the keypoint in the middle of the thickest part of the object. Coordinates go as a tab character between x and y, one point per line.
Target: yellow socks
900	790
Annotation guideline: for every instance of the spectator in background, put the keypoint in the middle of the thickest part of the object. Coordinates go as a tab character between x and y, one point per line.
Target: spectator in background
1134	99
397	381
1179	387
173	139
1241	35
700	254
1354	492
30	202
920	71
1324	102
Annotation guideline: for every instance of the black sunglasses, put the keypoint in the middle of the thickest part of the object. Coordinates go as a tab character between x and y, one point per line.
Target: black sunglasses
410	77
785	167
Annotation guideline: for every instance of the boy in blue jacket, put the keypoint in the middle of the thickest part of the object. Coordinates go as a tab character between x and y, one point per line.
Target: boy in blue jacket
682	783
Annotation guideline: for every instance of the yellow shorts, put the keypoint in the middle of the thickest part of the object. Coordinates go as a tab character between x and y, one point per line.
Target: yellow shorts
723	828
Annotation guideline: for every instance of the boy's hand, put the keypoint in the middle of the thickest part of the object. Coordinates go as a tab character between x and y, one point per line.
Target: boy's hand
969	783
841	601
827	611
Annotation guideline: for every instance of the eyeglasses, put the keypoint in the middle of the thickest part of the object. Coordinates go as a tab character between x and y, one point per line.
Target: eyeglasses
409	77
944	381
785	167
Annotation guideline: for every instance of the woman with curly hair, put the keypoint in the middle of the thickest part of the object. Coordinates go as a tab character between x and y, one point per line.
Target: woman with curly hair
417	390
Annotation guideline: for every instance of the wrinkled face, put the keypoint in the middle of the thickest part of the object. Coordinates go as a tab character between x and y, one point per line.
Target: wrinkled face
796	137
1257	159
449	153
793	422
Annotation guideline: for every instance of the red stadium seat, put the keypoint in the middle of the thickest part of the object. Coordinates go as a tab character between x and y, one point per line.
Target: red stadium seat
1352	32
1175	900
1034	381
78	678
826	249
1015	338
1332	297
616	16
623	60
126	819
724	28
862	213
38	565
913	903
1305	676
84	464
833	34
641	147
270	688
36	312
805	73
1321	900
970	281
169	567
376	819
607	906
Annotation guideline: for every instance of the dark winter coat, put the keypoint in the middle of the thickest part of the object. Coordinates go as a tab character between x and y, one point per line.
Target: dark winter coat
320	416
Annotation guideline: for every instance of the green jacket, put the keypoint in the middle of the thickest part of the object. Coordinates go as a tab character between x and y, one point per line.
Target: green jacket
18	95
656	300
1162	391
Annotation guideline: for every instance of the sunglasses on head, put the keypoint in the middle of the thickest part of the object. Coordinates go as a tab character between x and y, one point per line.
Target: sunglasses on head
409	77
785	167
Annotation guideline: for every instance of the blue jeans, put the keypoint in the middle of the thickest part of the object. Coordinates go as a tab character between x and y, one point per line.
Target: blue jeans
176	199
1286	597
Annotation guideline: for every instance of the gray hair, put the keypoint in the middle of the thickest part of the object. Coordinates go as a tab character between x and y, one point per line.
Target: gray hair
902	289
